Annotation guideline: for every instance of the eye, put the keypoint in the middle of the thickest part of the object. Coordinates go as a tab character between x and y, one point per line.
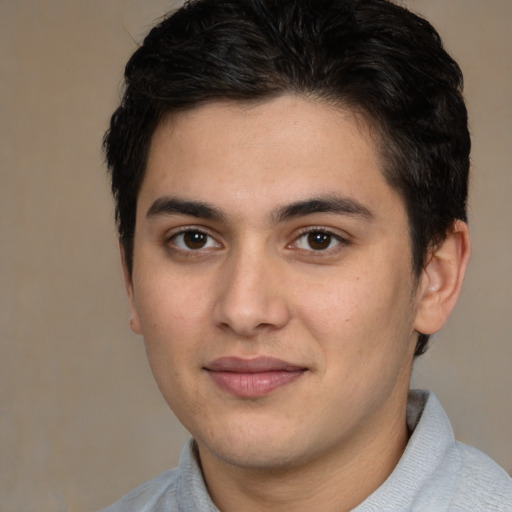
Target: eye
318	241
194	240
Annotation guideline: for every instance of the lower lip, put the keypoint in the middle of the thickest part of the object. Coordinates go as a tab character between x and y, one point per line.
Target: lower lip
254	385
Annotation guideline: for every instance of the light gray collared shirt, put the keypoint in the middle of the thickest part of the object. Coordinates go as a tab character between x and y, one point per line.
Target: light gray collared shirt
435	474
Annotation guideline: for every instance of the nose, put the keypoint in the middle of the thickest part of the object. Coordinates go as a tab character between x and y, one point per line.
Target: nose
251	298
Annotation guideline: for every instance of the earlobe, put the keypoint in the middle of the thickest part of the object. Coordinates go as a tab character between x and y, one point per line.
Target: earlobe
128	283
441	280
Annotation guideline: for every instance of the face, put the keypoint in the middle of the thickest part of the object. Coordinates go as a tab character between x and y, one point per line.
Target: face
272	281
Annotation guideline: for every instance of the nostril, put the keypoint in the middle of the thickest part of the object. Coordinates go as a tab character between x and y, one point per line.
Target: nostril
250	318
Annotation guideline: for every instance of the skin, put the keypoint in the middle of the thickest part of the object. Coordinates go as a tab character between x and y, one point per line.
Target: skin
229	262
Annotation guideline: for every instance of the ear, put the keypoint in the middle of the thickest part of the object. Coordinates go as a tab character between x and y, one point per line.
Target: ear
441	280
135	325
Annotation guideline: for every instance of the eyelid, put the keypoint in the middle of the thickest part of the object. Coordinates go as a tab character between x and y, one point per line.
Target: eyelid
342	239
175	232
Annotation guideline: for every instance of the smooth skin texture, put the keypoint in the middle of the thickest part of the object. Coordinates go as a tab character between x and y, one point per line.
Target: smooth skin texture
268	230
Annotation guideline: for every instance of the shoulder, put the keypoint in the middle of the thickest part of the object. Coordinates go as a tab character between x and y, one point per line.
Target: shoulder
481	483
457	477
437	473
182	488
153	495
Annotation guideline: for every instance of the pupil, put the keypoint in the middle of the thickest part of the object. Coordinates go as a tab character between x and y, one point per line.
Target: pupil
194	239
318	241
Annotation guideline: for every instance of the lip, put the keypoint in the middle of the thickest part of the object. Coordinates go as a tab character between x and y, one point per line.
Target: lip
252	378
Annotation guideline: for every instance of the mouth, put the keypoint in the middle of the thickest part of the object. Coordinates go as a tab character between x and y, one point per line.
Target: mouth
252	378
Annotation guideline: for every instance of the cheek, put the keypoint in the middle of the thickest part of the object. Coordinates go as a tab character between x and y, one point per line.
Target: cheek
335	305
172	316
359	312
173	327
168	301
363	330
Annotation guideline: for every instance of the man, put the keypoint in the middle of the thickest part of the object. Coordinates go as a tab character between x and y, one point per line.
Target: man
291	182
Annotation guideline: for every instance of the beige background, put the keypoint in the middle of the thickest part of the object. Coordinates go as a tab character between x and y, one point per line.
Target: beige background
81	421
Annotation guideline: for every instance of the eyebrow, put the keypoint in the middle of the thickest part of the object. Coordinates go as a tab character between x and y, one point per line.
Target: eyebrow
325	204
175	206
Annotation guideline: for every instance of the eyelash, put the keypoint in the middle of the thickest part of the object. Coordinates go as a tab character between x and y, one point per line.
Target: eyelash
171	240
340	241
196	252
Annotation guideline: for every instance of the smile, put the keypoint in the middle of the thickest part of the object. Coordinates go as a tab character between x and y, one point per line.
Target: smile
252	378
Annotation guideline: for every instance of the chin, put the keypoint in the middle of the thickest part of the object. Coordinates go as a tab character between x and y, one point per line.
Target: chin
256	457
251	447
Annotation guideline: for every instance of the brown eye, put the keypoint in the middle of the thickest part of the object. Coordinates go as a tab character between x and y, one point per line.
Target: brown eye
194	240
319	241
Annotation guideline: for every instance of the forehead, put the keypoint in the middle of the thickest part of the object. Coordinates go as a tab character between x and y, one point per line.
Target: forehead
287	146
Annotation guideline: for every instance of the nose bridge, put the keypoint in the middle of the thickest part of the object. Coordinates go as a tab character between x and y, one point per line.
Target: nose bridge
250	297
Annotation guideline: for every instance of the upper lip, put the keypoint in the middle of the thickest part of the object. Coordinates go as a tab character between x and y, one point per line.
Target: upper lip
251	365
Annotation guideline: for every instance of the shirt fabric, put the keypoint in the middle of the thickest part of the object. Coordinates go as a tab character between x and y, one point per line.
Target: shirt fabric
435	474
